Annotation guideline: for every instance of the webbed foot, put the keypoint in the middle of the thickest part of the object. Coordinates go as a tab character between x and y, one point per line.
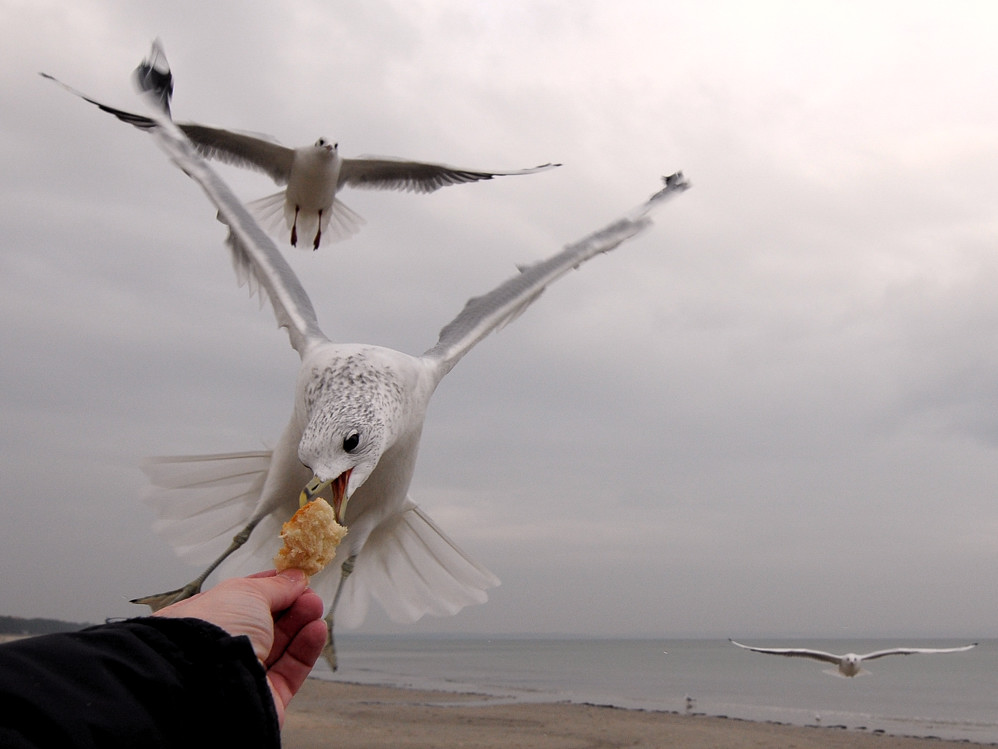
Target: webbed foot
318	233
160	600
329	650
294	229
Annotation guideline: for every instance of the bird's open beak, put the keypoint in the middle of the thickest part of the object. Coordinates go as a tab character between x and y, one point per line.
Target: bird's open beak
338	486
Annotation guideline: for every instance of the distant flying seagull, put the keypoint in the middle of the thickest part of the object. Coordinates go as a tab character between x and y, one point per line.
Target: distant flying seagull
353	434
313	174
849	664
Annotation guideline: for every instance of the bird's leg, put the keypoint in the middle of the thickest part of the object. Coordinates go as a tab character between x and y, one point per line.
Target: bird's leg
159	600
318	232
294	228
329	652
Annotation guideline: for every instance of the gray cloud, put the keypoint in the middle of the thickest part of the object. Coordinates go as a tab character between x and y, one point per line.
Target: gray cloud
771	414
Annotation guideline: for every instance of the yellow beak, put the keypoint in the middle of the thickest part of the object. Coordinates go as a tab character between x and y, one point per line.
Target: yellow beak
339	489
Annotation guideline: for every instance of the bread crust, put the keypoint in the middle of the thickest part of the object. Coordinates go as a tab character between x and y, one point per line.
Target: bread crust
310	538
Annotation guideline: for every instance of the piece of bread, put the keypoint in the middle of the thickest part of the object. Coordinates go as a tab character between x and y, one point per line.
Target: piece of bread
310	538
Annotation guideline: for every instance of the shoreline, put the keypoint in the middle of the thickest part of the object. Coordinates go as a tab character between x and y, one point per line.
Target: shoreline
349	715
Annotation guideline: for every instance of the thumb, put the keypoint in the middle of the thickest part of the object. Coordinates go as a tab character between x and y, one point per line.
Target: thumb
282	589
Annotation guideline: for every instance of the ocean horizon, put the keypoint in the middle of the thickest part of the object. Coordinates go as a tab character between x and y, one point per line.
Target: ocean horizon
949	696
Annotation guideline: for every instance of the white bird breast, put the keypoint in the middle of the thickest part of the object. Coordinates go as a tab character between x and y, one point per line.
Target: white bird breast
314	175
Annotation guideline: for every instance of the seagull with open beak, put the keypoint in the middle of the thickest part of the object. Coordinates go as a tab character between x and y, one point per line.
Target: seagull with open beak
338	487
354	431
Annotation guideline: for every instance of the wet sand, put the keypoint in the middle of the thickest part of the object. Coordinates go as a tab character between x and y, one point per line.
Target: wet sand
354	716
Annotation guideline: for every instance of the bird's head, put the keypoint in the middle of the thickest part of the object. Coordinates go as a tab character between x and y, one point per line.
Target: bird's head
339	465
348	409
850	664
327	145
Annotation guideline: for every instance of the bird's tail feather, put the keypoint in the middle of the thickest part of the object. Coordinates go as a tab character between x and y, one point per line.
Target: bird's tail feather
269	212
201	501
412	569
277	217
340	222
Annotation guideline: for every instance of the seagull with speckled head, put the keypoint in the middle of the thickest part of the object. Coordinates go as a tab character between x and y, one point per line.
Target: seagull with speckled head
353	434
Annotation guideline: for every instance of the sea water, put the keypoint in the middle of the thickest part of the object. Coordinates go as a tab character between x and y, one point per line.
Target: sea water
952	696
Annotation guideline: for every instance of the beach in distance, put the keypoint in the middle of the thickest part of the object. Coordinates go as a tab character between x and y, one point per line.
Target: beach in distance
578	692
356	716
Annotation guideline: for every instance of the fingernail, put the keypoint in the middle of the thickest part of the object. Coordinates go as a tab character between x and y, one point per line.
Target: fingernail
293	574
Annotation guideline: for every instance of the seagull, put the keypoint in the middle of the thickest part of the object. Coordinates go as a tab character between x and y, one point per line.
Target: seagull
353	433
849	664
313	174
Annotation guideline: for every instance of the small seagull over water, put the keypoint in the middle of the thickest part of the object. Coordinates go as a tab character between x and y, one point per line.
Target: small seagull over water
849	664
353	434
314	174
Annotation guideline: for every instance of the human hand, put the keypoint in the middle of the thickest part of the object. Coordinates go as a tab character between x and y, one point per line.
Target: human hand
278	612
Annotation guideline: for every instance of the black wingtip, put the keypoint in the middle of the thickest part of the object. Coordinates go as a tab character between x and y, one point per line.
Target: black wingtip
676	180
153	76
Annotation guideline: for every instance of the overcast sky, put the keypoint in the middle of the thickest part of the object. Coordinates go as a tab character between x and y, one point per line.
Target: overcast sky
775	413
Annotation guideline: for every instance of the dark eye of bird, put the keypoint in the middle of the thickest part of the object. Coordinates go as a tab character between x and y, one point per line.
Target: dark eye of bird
351	441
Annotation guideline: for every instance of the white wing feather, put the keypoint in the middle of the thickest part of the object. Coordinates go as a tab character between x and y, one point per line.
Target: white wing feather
252	250
255	256
201	502
484	314
412	569
914	651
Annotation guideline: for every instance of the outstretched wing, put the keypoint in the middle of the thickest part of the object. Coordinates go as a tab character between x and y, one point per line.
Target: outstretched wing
412	569
483	314
138	120
382	173
255	257
817	655
239	149
202	501
914	651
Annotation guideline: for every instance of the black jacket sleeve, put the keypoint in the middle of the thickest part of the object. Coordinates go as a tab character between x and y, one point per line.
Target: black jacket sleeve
149	682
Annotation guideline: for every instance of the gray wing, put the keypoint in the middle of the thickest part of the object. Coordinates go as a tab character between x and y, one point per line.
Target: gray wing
484	314
382	173
914	651
238	149
256	259
138	120
817	655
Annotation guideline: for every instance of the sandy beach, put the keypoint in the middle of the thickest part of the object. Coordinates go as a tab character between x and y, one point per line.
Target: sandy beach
352	716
